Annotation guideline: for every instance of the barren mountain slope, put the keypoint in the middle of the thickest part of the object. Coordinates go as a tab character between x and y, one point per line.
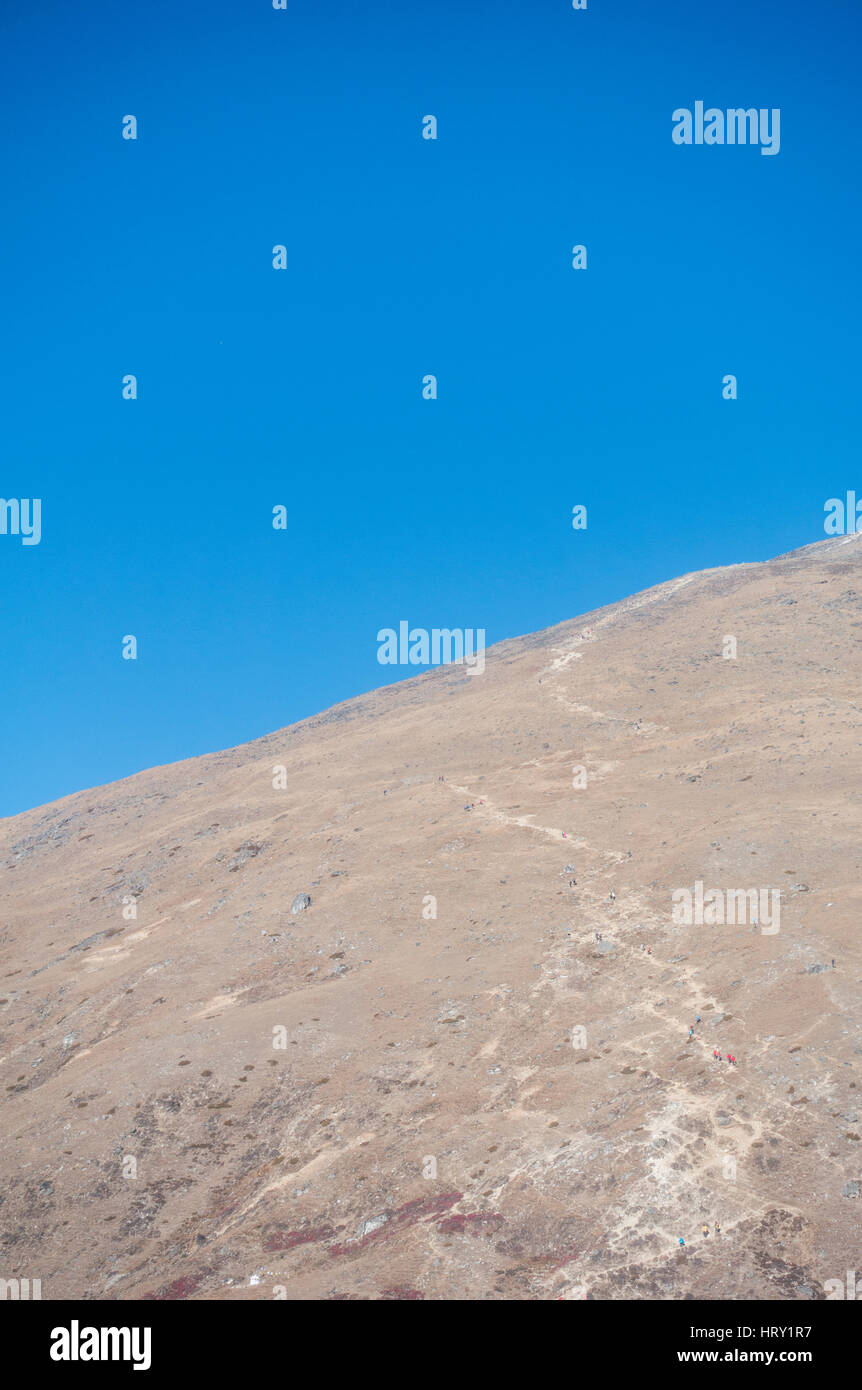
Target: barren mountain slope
361	1101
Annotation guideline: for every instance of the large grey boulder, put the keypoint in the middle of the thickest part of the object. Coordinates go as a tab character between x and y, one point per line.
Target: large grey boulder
300	903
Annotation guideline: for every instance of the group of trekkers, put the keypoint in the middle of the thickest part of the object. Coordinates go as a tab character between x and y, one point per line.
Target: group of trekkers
705	1230
717	1054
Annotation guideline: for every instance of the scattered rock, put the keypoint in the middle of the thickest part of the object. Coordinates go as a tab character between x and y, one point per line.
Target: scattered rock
246	851
373	1224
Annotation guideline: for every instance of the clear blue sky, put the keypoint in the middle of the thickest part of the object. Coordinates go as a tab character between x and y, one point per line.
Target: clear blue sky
406	257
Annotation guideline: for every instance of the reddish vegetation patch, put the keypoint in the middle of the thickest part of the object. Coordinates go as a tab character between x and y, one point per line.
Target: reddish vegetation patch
472	1221
289	1240
180	1288
425	1206
421	1208
402	1293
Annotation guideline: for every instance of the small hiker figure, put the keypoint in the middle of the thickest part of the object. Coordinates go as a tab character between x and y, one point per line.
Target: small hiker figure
720	1058
715	1054
705	1229
649	950
612	895
717	1228
690	1033
698	1019
833	962
681	1241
